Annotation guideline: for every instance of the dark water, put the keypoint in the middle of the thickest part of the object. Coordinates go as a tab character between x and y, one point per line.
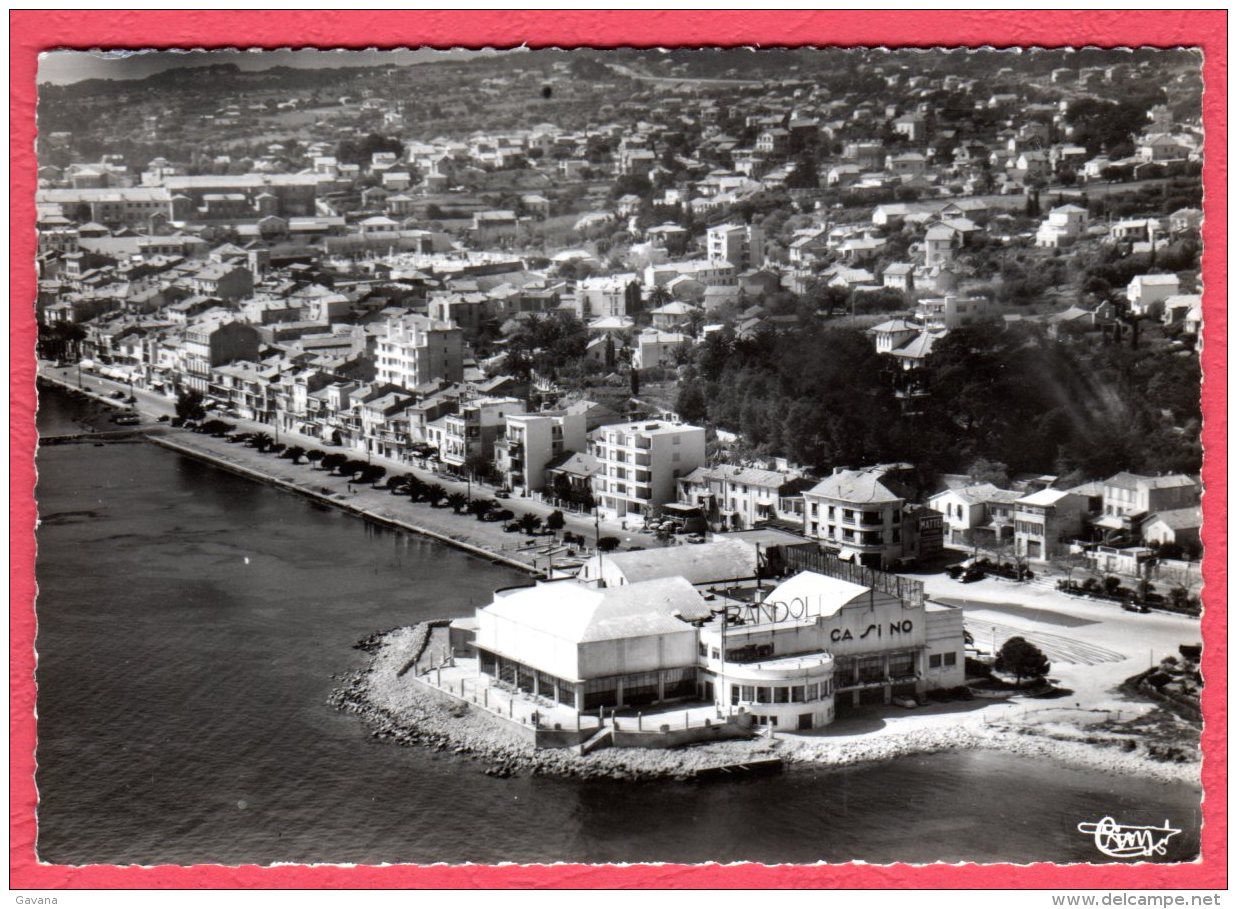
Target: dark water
190	623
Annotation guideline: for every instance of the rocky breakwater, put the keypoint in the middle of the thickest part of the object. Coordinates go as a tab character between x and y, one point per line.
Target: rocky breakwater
397	708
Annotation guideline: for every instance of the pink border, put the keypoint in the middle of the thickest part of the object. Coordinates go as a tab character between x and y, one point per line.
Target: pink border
34	31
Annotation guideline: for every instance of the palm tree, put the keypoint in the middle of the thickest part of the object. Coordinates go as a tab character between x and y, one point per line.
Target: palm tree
435	494
529	523
417	488
294	454
482	507
398	485
261	441
457	501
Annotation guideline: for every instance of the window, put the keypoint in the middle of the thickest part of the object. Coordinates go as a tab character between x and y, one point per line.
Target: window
951	659
797	694
902	664
715	654
704	651
764	695
813	691
871	669
781	695
749	693
934	661
734	695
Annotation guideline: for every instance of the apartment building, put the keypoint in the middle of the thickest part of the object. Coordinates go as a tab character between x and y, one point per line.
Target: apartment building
1129	499
472	432
413	350
742	245
739	498
209	344
1045	522
864	516
977	515
949	312
532	441
641	464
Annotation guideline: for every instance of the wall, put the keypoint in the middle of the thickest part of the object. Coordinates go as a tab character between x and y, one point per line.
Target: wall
550	654
641	654
628	737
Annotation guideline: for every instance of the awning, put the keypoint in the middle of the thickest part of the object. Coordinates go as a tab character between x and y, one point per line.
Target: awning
1111	522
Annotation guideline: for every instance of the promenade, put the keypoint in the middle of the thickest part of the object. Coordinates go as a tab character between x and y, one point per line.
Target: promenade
484	538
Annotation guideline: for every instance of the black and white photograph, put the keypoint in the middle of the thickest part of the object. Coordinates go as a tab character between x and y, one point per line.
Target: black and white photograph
606	456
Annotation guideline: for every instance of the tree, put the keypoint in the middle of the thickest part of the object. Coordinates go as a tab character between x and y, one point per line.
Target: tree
293	454
417	488
555	521
984	471
608	544
262	441
435	494
314	457
332	461
635	382
691	403
457	501
482	507
351	467
372	473
1021	659
529	523
190	405
564	489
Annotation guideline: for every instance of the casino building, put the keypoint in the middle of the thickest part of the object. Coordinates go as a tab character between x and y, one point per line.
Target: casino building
812	647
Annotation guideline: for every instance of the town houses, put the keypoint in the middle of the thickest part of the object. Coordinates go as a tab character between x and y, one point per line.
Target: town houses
546	304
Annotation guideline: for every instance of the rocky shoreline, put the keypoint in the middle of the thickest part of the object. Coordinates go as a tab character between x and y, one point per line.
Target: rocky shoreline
405	712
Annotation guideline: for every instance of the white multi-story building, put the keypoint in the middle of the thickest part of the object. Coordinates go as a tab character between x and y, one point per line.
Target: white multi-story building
533	440
641	465
1064	225
472	432
613	295
413	350
742	245
950	311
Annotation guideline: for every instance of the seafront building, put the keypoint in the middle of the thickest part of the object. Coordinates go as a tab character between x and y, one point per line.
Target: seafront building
813	647
641	465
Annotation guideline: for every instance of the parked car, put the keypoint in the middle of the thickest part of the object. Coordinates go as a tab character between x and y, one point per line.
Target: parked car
971	575
908	703
502	514
163	418
695	538
128	418
117	395
502	494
